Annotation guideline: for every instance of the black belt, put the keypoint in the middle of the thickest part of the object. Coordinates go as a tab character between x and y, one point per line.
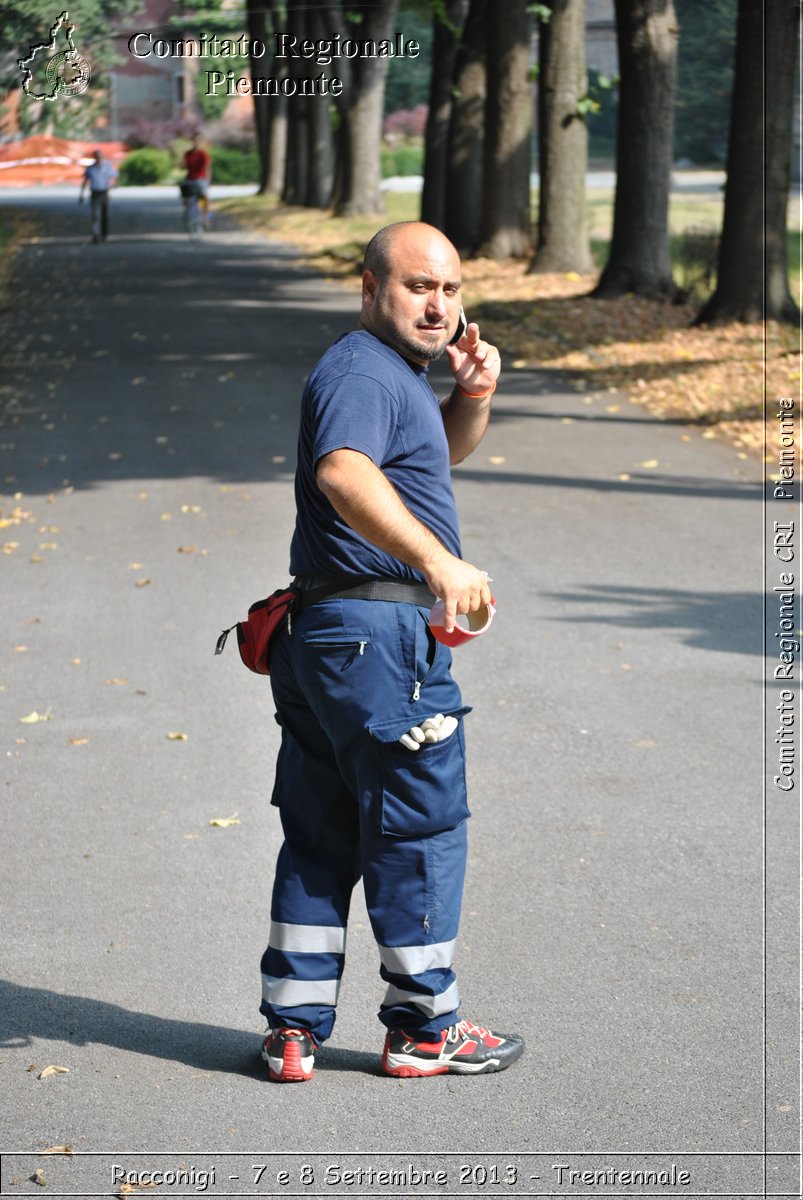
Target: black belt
315	588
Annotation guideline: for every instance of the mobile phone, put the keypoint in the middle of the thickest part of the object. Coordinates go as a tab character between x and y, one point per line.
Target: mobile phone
462	326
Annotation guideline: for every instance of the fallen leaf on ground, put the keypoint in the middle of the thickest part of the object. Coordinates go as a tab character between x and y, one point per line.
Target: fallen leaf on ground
65	1149
38	1177
115	682
79	741
176	737
34	716
53	1070
142	582
186	549
224	822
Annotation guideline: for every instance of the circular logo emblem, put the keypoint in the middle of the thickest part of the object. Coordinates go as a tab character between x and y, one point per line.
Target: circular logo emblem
69	73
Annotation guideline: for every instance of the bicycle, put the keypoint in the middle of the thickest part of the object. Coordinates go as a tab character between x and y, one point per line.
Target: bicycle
191	193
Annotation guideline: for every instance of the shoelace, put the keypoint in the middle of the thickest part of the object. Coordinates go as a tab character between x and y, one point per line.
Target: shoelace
465	1029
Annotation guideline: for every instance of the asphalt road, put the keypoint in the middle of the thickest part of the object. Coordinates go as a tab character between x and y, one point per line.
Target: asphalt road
614	905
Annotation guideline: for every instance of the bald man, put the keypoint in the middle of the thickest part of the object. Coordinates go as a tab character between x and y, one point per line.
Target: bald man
358	671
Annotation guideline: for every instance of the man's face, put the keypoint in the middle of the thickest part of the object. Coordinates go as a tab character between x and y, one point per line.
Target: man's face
415	307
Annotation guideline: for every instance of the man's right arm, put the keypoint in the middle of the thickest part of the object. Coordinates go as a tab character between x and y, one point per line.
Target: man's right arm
371	506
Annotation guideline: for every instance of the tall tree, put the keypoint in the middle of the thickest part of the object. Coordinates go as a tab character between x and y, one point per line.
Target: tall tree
639	259
465	157
358	178
752	279
506	226
270	112
296	166
448	21
563	243
308	173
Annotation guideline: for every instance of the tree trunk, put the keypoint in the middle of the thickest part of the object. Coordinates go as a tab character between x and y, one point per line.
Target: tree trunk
639	259
464	172
320	148
278	142
447	28
563	243
257	29
506	228
752	273
359	178
297	158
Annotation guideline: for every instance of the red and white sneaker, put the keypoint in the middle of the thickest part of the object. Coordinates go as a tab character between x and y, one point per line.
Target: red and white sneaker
464	1049
290	1055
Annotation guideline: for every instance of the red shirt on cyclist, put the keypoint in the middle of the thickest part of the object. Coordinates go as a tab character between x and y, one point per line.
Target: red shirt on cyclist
196	161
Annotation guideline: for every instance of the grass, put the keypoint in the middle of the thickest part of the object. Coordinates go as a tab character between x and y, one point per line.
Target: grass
625	349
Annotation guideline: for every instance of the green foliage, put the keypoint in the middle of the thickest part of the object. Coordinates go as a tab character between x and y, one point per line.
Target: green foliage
407	81
602	113
541	12
705	78
145	166
27	23
212	19
404	159
213	107
234	166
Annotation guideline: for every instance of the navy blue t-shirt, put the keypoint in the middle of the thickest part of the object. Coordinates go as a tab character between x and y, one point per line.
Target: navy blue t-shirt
364	396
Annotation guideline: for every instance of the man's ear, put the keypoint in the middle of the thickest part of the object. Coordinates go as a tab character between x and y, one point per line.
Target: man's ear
369	285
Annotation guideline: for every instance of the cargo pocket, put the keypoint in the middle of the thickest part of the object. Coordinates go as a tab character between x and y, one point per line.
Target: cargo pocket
418	792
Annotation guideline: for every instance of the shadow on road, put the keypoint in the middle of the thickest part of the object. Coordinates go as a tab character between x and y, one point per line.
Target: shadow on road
728	622
30	1014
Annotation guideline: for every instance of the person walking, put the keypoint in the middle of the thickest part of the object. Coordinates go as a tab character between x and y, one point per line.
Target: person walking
370	776
100	176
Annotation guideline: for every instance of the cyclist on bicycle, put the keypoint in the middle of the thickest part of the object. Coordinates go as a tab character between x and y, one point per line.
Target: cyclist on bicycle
198	165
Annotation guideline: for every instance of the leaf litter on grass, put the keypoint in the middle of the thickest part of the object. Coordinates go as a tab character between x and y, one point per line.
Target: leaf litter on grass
714	378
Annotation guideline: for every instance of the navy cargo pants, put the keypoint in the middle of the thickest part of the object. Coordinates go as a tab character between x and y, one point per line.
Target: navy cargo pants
350	678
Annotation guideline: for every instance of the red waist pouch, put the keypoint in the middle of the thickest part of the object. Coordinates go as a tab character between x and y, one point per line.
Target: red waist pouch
255	633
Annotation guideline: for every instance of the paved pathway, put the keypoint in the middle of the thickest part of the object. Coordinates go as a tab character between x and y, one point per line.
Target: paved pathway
613	910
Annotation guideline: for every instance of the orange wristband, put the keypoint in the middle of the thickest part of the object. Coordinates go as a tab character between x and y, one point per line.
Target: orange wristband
482	396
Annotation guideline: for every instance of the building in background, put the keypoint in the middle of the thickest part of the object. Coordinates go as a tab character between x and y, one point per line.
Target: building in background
153	89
